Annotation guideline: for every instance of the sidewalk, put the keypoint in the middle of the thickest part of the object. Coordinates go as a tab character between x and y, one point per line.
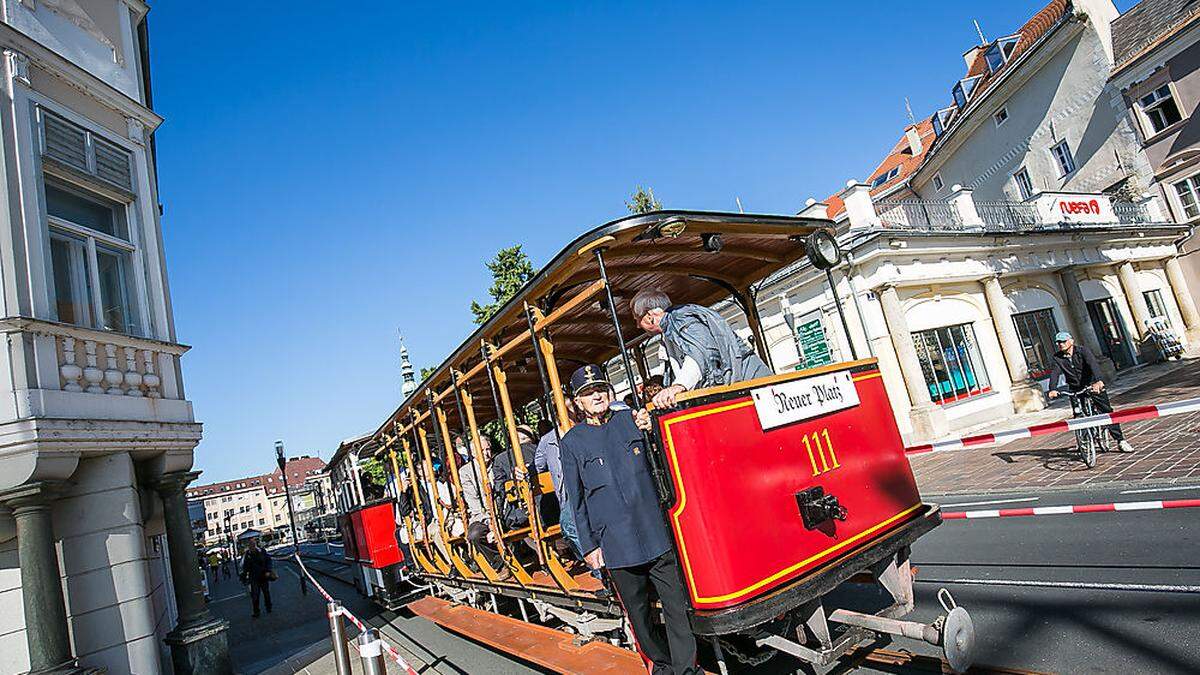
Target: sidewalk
294	638
1167	449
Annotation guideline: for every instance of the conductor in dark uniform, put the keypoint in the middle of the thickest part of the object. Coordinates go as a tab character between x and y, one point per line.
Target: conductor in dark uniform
607	480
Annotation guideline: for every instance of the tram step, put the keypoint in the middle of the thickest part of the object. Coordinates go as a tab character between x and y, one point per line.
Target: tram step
543	646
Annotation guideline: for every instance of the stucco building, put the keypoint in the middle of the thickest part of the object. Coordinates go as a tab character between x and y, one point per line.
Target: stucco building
258	502
1155	78
97	565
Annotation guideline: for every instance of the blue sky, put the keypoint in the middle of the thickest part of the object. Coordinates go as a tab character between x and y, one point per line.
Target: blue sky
334	173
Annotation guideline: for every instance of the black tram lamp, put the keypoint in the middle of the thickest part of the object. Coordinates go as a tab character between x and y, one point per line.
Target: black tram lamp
287	497
824	253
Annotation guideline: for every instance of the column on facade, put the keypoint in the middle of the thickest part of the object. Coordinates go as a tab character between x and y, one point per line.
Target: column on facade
1027	396
46	630
1184	299
198	641
929	421
1083	331
1133	294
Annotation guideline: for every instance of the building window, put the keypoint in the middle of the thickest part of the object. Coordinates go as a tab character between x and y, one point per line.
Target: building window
262	521
962	91
1159	109
1187	189
89	253
1001	116
937	182
883	178
1024	185
1036	331
941	120
1155	304
1062	156
951	362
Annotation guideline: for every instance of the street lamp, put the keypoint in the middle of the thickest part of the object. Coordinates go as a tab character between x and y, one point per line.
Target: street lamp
824	254
291	515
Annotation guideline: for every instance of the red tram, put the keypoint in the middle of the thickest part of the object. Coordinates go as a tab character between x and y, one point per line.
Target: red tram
778	491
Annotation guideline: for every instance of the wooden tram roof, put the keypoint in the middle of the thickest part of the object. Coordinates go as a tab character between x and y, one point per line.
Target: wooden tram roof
636	256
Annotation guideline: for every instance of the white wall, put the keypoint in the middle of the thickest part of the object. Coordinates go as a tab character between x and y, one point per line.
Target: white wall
1065	98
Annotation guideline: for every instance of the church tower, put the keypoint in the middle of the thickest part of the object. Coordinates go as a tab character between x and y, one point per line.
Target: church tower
409	384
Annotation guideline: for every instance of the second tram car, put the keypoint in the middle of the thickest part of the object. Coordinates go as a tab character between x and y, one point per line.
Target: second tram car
778	491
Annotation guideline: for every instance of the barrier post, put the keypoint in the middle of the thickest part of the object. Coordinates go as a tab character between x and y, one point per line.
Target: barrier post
371	651
337	634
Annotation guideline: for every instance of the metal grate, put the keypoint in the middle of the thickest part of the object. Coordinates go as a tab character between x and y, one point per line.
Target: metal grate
1008	215
1128	212
918	214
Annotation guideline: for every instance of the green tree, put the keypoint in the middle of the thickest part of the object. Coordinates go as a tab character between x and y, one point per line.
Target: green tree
374	472
643	201
426	372
510	270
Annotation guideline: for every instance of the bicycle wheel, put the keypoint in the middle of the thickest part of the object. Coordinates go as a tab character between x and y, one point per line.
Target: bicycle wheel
1089	446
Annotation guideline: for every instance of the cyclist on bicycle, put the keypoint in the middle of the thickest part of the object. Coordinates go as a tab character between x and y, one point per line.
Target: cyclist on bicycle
1078	365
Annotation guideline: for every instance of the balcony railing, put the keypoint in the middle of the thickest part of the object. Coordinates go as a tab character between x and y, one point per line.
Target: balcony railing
1008	215
919	214
100	362
1128	212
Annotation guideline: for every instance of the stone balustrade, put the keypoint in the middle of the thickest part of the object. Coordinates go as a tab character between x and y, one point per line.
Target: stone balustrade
101	362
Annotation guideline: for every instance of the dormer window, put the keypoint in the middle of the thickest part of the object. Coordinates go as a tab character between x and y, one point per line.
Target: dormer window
962	90
1000	51
885	177
941	120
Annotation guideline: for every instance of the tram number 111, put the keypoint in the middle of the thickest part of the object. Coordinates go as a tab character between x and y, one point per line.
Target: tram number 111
818	444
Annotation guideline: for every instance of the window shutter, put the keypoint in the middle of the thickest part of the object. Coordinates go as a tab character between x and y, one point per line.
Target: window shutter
65	142
69	144
112	163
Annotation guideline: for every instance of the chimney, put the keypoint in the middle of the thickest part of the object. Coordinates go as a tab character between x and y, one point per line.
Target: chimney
914	139
970	55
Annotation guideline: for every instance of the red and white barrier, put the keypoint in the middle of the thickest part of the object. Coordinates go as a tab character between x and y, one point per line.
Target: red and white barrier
1074	508
387	648
1145	412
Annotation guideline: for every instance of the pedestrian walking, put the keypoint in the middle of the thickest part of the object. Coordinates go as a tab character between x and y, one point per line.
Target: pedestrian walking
257	572
225	568
1077	366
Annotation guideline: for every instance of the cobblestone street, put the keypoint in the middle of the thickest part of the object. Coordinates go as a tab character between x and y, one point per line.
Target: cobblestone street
1167	449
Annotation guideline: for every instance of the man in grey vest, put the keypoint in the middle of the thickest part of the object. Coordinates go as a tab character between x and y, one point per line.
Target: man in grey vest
702	349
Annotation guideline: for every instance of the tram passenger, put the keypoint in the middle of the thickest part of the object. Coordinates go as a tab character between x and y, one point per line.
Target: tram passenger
549	458
702	349
477	523
619	523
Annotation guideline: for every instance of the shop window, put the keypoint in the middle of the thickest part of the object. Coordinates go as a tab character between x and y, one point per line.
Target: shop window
951	362
1036	331
1154	303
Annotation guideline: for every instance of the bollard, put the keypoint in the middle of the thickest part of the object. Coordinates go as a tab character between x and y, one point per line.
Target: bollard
337	634
371	651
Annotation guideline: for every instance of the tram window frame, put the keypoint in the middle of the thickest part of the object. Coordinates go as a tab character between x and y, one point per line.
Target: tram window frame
975	380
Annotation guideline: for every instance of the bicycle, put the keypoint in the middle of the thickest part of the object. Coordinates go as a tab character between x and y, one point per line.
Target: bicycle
1087	441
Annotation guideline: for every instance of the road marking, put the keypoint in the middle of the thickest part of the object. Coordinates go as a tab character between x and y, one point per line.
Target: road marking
1160	489
1078	585
994	501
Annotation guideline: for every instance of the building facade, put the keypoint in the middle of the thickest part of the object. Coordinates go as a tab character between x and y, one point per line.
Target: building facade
1033	114
259	502
1155	79
97	565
